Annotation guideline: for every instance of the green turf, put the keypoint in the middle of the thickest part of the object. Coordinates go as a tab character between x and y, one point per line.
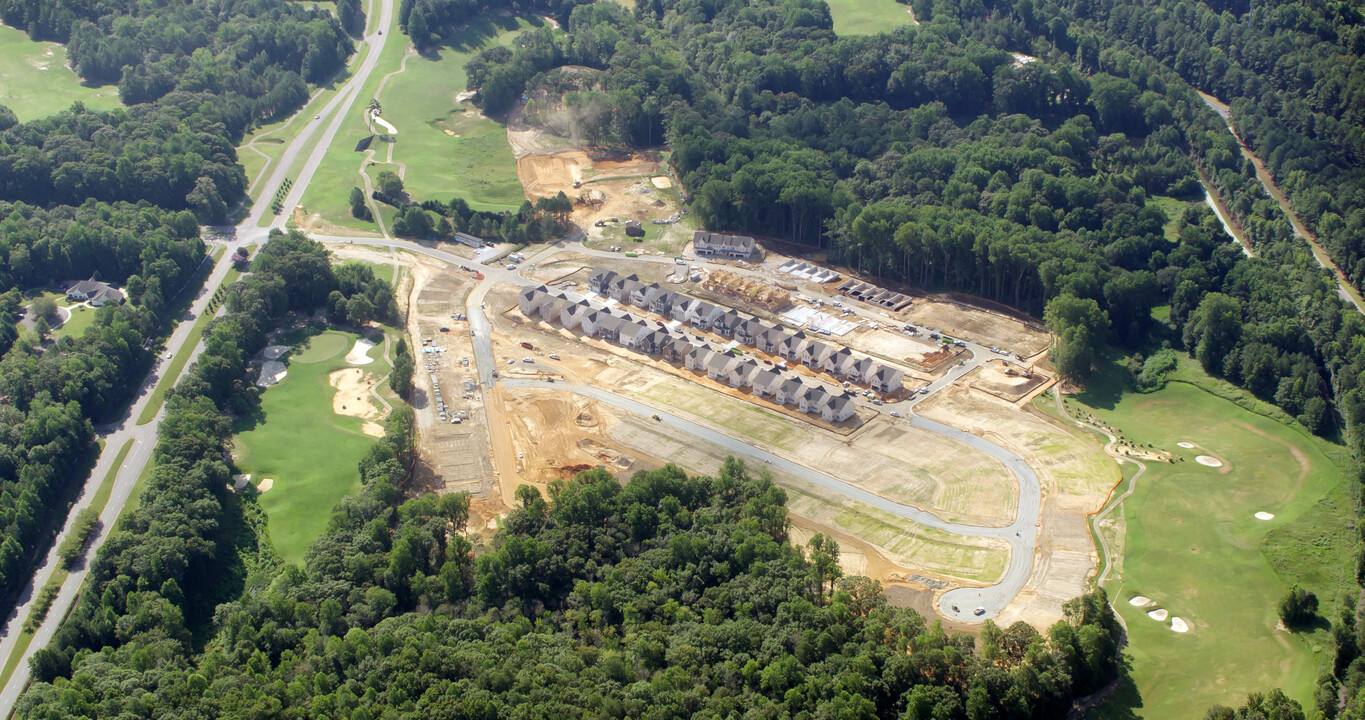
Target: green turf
310	452
866	17
35	82
1174	209
1194	546
82	317
420	102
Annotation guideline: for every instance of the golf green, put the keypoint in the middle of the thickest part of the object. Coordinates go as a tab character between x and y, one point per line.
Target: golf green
1195	547
320	348
309	452
867	17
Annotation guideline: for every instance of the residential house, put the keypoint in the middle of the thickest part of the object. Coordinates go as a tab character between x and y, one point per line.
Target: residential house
528	300
653	342
701	314
697	358
886	379
623	291
812	399
641	297
600	281
676	348
767	382
742	374
814	354
610	328
861	370
592	321
838	409
683	308
789	391
769	340
749	330
718	366
632	332
572	315
834	360
735	247
793	347
726	323
662	302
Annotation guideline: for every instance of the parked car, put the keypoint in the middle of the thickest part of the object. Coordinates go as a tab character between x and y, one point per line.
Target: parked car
979	611
895	414
554	356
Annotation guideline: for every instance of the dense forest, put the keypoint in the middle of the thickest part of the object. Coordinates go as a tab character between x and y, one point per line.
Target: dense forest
195	80
930	154
54	392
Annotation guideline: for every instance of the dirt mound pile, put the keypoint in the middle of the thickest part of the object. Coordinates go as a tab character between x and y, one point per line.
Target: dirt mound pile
738	287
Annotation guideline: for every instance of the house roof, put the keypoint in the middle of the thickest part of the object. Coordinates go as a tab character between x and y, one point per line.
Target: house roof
839	404
766	377
717	241
720	362
792	385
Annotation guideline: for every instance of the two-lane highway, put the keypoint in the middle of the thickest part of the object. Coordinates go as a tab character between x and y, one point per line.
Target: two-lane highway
144	437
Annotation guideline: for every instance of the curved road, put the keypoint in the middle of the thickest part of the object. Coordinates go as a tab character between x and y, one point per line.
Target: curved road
1021	535
143	437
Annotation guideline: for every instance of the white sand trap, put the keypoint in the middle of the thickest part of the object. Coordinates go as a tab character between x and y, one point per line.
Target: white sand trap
1263	515
1186	445
275	352
357	354
381	122
1140	601
1179	625
1208	460
265	485
1158	614
240	481
662	182
272	371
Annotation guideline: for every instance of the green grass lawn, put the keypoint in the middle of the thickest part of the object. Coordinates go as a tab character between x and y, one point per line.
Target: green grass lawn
1174	209
1194	546
866	17
309	452
35	82
420	101
82	317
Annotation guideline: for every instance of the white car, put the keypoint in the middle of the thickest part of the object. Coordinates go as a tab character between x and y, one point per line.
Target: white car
895	414
510	361
554	356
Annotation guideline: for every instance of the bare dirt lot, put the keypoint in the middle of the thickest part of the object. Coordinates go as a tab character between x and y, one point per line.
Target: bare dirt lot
1009	381
1075	478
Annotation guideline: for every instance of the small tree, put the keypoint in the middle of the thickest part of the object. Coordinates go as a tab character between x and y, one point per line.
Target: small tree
390	184
1298	607
44	307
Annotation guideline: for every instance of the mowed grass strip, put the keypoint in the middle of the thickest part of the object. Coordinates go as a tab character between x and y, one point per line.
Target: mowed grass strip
867	17
35	81
309	452
1195	547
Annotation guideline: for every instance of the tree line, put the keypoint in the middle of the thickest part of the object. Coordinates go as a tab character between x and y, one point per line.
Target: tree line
668	596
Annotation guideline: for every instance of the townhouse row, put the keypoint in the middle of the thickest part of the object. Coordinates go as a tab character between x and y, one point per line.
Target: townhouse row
651	338
792	346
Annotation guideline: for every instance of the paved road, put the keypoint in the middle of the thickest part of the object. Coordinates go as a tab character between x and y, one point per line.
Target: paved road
1021	535
144	437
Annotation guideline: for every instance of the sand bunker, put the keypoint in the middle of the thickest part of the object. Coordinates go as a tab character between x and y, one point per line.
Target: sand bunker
1263	515
661	182
1179	625
1158	614
1186	445
357	355
1208	460
240	481
1140	601
272	371
265	485
275	352
353	398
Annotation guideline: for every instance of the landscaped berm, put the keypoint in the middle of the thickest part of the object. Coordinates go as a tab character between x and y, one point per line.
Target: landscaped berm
312	430
1202	574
